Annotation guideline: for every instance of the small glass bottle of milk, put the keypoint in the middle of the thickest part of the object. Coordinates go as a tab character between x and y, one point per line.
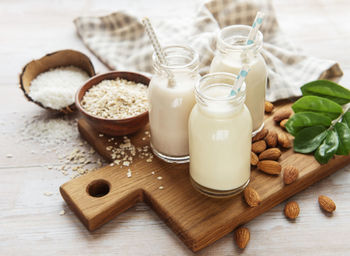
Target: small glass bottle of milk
220	128
232	52
171	101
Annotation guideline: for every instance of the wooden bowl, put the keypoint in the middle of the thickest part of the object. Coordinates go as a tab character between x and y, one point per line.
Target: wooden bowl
113	127
54	60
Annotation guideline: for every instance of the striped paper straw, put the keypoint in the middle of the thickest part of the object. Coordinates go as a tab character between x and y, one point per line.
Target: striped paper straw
157	48
255	28
240	79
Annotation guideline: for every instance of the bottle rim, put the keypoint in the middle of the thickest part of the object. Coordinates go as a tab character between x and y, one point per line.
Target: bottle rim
233	31
188	53
204	83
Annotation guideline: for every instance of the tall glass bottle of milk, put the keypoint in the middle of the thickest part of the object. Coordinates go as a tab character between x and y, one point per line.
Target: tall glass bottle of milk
171	101
232	53
220	128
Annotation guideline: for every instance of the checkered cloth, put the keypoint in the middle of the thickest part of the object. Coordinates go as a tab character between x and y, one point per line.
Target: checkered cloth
120	42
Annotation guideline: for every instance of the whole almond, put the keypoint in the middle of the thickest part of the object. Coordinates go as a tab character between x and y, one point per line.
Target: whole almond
251	196
283	140
326	203
270	167
270	154
291	210
271	139
259	146
281	114
260	135
254	160
268	107
283	123
290	174
242	237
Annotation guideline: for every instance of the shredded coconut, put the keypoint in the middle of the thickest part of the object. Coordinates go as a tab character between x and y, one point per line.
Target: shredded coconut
75	157
60	135
128	174
116	99
56	88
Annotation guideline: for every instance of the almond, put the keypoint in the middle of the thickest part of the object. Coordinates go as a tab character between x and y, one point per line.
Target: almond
242	237
254	160
290	174
270	154
291	210
260	135
259	146
268	107
271	139
283	140
251	196
283	123
281	114
326	203
270	167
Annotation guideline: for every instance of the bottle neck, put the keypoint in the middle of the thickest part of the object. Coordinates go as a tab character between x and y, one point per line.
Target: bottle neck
179	59
233	40
217	94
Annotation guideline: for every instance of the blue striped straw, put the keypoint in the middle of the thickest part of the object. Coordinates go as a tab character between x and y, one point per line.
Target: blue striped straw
240	79
255	28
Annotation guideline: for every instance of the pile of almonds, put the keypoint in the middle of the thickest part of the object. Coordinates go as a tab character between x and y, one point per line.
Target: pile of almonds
266	151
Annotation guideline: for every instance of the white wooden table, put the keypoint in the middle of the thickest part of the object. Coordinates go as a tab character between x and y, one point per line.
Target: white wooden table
30	223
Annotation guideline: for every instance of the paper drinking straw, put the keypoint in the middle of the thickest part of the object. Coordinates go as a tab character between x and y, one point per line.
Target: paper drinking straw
157	48
240	79
255	28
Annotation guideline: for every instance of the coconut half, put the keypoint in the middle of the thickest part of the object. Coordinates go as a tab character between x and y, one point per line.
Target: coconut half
57	59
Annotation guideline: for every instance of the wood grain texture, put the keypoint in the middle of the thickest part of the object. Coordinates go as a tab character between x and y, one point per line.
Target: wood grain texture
195	218
29	221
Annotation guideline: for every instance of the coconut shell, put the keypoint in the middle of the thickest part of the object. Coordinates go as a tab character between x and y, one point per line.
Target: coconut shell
57	59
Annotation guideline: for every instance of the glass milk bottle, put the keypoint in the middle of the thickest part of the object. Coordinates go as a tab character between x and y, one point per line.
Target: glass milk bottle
220	130
171	103
232	53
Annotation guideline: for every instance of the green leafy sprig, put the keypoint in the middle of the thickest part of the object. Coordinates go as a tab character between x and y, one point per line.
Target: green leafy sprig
321	123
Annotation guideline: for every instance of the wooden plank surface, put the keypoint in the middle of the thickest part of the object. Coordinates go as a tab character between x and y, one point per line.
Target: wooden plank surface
30	29
196	219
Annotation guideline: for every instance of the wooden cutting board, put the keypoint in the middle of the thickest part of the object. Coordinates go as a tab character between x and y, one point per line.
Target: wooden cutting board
101	195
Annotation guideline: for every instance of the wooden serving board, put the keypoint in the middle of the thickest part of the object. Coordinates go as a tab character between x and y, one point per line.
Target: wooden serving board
195	218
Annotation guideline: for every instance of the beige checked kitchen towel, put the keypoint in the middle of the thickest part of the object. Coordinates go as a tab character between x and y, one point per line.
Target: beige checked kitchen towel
120	42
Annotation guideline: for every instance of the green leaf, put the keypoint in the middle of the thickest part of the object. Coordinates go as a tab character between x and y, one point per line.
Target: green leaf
327	148
309	138
318	105
346	119
306	119
327	89
344	138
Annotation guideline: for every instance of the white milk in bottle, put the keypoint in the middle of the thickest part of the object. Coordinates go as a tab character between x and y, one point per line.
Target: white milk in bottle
172	102
220	128
232	53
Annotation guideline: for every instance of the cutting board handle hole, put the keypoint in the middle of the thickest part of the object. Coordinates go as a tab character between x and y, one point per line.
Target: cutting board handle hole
98	188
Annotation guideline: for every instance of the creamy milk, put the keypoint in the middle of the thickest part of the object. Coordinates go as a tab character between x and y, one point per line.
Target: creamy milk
255	81
169	111
220	143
